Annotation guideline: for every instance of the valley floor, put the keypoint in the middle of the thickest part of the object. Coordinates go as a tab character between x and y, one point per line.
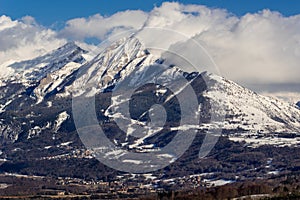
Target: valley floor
34	187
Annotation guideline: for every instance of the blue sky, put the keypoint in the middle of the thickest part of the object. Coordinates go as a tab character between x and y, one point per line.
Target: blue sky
56	12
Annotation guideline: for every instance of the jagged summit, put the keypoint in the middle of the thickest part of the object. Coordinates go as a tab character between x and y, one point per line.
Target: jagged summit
116	62
68	46
39	67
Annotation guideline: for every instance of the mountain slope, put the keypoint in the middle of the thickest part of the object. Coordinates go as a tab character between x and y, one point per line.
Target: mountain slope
250	111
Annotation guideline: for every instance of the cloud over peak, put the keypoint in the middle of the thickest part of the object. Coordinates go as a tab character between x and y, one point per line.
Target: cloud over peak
100	27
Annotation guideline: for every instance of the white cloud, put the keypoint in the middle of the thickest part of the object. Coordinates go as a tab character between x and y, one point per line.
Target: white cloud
24	39
100	26
189	19
258	48
263	47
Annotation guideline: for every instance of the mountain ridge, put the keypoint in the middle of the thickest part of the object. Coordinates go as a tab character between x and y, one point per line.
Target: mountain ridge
246	111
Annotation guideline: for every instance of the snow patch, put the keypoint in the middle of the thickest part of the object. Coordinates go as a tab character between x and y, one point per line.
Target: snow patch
60	119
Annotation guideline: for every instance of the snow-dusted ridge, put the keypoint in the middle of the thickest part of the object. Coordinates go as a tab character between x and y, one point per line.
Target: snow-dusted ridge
251	111
40	67
254	118
113	65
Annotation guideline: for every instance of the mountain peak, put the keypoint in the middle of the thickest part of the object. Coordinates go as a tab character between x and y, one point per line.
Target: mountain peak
69	46
39	67
117	61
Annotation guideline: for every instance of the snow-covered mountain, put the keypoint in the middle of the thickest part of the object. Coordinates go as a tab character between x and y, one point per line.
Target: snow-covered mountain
41	83
254	118
40	67
46	73
248	110
38	134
